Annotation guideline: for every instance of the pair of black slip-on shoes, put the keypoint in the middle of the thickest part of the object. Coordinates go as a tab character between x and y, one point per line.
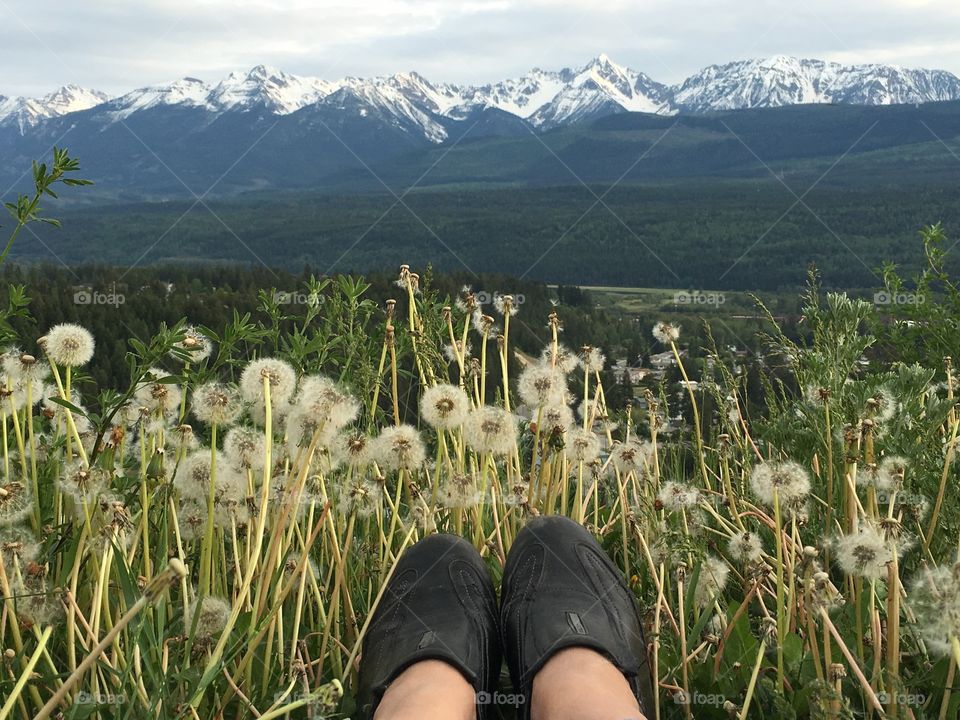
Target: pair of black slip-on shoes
560	590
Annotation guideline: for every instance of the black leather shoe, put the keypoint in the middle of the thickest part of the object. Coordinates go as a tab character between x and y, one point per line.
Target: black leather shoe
561	590
439	605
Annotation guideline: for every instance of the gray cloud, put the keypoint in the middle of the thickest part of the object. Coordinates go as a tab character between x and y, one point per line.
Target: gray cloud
116	45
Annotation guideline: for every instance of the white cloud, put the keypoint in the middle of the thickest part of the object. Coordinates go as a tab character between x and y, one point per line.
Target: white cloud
116	45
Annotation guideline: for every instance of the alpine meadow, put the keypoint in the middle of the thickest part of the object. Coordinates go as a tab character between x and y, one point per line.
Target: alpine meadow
268	337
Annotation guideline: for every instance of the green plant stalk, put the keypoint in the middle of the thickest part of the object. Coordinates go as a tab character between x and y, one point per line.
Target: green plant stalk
214	659
744	711
935	515
174	569
505	359
781	601
206	552
27	672
696	419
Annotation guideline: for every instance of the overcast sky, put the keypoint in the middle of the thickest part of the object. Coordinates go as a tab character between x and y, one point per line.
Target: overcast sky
117	45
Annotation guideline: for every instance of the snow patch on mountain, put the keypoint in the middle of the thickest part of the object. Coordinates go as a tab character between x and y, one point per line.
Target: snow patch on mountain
782	80
29	112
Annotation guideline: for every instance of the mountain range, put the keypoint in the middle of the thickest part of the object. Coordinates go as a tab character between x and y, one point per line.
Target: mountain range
269	130
545	99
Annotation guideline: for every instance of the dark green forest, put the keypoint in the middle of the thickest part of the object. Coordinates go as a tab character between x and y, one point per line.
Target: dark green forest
746	234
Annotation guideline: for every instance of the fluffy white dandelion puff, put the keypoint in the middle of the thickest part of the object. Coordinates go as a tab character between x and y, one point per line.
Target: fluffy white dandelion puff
491	430
330	404
864	553
282	378
629	456
14	502
676	496
353	449
582	446
935	598
69	345
400	448
665	332
541	384
210	616
788	479
217	403
593	359
556	418
745	547
711	581
244	447
562	358
444	406
159	398
195	346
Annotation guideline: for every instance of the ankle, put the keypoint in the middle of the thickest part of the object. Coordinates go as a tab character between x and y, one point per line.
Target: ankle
581	684
428	690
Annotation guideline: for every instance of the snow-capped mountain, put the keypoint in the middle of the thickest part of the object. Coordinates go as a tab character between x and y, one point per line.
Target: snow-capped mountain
412	104
548	99
781	80
28	112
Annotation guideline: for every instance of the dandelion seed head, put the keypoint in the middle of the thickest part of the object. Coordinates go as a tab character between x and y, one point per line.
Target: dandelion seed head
935	598
788	480
17	542
21	366
197	346
244	447
459	490
864	553
540	384
217	403
84	484
450	351
556	418
210	615
665	332
353	449
676	496
711	581
399	448
69	345
361	497
629	456
444	406
160	398
745	547
328	402
37	604
562	358
491	430
891	473
15	502
582	446
280	374
593	359
505	305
